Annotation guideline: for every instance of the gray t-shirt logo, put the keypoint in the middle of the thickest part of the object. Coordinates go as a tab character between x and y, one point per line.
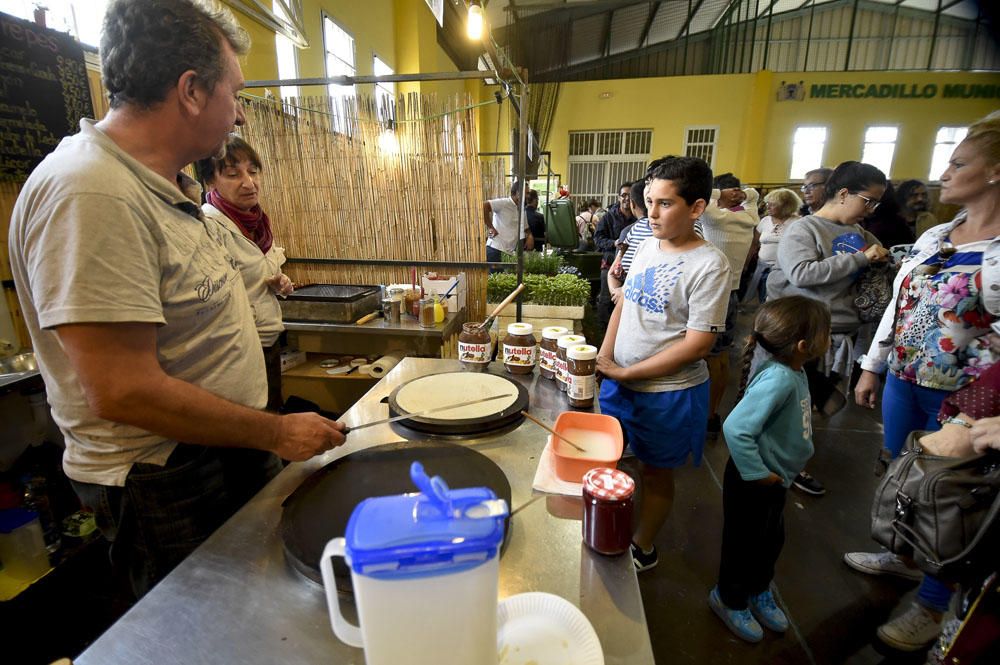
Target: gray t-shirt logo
652	287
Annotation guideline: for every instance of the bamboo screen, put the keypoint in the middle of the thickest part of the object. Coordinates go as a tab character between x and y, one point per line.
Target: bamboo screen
332	192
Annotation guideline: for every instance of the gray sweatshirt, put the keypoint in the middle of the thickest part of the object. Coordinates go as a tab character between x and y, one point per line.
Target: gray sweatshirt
822	259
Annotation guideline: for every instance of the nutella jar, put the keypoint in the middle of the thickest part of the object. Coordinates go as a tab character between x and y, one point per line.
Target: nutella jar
562	344
607	510
474	347
547	350
581	375
519	349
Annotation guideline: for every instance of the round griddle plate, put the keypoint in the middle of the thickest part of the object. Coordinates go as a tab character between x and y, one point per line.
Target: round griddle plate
321	506
482	425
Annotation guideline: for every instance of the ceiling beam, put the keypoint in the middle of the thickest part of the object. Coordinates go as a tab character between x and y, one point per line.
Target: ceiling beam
606	38
687	21
653	8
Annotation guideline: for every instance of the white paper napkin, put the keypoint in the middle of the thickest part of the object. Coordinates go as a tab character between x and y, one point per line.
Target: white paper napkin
546	479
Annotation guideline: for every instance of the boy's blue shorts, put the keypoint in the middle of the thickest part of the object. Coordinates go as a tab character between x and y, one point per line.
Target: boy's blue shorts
662	428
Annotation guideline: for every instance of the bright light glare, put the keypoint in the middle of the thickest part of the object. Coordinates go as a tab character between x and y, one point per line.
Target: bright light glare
388	142
474	23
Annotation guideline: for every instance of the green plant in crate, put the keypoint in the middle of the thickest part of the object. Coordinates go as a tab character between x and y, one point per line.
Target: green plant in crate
566	290
537	263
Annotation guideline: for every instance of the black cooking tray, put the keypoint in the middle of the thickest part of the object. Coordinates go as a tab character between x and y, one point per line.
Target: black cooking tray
333	292
321	506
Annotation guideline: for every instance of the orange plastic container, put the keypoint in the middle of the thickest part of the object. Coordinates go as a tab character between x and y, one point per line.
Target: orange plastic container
603	450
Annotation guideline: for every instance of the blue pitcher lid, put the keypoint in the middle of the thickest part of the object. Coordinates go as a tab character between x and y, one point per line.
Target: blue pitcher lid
433	532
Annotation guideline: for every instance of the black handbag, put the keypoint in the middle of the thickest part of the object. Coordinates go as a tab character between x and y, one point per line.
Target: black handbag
873	291
942	511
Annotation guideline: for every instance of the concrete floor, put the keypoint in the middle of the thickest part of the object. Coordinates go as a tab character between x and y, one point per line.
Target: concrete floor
833	610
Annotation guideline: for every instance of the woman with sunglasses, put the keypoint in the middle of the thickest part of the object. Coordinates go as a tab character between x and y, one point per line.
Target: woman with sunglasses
934	340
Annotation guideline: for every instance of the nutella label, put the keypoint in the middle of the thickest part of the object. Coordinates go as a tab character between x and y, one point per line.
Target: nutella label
561	370
546	359
473	352
519	355
580	387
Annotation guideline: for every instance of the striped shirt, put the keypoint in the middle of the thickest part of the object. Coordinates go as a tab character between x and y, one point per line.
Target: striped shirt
634	235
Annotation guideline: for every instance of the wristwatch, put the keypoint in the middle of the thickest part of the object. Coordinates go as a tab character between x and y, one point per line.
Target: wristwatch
955	420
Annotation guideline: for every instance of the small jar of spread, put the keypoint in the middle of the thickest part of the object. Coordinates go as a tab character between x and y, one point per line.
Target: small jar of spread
562	344
474	347
519	349
581	375
426	312
607	510
547	350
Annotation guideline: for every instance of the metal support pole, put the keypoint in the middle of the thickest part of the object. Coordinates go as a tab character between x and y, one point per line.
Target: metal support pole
850	36
521	174
937	20
767	40
809	34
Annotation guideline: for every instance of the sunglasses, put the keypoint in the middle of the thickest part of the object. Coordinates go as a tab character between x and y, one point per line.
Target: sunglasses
870	204
946	250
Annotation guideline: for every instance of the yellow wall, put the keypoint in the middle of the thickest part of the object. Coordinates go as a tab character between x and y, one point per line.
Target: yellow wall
755	130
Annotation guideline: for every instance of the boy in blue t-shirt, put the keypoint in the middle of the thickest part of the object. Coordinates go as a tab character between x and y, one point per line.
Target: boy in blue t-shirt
673	303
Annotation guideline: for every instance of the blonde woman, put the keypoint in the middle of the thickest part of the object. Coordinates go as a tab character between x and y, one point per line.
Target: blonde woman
782	209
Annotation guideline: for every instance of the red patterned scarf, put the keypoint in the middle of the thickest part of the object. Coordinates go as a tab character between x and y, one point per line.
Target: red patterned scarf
253	223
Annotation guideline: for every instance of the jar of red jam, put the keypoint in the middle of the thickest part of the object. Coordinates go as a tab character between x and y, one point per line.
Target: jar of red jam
520	349
607	510
562	344
547	350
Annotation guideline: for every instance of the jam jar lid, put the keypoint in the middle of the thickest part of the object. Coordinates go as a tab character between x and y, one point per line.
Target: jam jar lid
605	483
581	352
520	329
567	341
554	332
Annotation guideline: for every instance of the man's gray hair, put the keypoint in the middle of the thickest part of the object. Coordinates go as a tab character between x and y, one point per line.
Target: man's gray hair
147	44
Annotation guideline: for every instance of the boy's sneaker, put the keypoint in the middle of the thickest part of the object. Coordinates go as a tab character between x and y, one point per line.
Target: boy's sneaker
911	631
643	560
808	484
741	622
767	612
881	563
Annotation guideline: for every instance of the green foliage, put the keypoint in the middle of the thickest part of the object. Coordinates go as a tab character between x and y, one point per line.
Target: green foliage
537	263
568	290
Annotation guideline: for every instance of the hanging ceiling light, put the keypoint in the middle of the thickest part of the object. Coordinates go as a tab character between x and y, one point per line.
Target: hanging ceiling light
474	23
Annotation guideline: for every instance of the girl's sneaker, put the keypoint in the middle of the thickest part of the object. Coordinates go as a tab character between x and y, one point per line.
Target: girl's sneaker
767	611
741	622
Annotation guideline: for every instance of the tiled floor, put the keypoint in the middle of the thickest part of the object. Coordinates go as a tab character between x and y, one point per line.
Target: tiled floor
834	611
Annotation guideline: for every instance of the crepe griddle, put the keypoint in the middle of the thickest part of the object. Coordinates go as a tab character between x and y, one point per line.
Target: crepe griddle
321	506
499	420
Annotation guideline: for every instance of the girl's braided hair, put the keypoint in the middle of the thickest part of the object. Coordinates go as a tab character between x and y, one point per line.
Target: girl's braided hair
778	327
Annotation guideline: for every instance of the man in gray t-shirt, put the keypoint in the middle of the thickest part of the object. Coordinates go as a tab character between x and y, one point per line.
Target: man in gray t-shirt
140	322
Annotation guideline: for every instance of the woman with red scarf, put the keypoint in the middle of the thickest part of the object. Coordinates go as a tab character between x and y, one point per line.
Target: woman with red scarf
232	184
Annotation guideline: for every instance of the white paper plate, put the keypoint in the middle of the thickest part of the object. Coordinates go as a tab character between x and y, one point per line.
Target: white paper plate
544	629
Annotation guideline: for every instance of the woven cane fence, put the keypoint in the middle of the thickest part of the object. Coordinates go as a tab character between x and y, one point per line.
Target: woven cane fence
338	183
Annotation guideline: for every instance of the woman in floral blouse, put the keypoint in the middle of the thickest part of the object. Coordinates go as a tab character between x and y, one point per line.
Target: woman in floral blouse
934	340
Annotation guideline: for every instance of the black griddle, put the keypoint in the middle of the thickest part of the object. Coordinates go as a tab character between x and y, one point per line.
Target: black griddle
321	506
486	425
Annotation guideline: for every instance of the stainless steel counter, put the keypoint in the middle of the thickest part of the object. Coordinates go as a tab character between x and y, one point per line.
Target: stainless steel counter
16	377
236	600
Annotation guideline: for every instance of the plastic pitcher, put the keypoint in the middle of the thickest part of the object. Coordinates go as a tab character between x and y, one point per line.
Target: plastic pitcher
425	571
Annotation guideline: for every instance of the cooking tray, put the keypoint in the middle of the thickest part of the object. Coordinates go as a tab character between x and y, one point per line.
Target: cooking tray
482	425
321	506
330	303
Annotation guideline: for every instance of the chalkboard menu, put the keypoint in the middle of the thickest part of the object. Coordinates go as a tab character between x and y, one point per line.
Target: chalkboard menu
43	94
